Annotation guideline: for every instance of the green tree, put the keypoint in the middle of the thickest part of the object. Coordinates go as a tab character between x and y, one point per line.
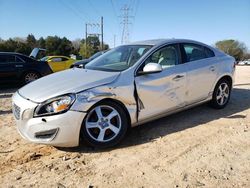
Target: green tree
86	51
41	42
232	47
51	45
31	41
65	47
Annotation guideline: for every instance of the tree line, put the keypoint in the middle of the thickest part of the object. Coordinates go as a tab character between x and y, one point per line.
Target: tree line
54	45
234	48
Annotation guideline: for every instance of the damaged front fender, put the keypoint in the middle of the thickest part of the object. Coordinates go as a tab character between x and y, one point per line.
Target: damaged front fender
124	94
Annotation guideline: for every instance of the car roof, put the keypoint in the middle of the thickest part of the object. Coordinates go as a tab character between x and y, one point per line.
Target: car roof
155	42
11	53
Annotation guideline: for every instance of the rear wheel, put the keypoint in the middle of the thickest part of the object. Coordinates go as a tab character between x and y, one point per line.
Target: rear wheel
30	77
105	125
221	94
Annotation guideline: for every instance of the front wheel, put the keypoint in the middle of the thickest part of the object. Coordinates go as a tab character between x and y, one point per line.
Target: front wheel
221	94
105	125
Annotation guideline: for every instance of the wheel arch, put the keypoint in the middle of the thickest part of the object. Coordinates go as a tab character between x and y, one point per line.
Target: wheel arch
227	77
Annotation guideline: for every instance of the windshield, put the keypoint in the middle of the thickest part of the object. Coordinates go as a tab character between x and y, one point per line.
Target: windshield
96	55
44	58
119	59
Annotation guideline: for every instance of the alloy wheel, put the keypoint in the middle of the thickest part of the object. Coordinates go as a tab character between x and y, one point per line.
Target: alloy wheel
103	123
222	94
30	77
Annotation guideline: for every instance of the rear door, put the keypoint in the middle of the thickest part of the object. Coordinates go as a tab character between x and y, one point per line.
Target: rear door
9	70
202	71
164	91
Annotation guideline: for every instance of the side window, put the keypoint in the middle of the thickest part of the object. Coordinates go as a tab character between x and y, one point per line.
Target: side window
166	56
64	59
3	59
56	59
18	59
209	53
194	52
11	58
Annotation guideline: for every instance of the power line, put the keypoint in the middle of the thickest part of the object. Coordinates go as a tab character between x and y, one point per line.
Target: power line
136	7
94	8
72	10
113	6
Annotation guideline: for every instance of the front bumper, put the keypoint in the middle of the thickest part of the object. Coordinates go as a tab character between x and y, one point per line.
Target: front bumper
60	130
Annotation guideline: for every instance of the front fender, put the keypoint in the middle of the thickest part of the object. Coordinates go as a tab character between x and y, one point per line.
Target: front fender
123	94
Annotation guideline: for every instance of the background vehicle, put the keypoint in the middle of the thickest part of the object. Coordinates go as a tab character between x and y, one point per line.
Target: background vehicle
82	63
58	63
127	86
15	67
245	62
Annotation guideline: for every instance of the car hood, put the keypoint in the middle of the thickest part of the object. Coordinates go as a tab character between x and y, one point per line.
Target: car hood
69	81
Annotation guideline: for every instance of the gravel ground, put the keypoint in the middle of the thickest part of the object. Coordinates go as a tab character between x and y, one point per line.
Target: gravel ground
200	147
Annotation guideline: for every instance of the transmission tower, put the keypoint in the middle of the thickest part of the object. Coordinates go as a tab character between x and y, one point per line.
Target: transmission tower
125	23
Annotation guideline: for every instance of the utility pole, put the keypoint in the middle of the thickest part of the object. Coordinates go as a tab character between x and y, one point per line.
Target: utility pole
86	35
98	34
102	32
125	22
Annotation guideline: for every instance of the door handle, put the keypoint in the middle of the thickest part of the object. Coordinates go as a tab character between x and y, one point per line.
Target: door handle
19	66
212	68
178	77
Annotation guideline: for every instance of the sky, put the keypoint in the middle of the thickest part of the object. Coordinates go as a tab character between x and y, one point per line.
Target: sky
203	20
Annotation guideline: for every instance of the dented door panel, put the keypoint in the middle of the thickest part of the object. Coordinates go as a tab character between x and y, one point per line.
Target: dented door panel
161	92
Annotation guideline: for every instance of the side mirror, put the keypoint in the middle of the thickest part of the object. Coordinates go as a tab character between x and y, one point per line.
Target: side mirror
151	68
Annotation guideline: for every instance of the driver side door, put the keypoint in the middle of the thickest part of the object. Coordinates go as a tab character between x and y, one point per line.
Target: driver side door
165	91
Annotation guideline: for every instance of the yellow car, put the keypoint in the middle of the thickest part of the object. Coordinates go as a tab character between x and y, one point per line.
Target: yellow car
58	63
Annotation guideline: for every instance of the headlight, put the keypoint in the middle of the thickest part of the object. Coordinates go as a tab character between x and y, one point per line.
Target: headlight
55	105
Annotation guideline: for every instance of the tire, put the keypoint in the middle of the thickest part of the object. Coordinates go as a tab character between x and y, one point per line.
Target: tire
105	125
221	94
30	77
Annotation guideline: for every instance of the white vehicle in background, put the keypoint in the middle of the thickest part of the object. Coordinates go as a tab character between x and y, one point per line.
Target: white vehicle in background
125	87
245	62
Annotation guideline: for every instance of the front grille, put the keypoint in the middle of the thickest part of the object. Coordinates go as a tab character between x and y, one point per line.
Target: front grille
16	111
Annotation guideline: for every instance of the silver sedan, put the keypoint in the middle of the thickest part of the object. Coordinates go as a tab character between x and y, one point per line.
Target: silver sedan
127	86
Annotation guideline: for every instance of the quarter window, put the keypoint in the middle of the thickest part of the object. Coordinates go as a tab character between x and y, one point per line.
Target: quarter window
166	56
209	53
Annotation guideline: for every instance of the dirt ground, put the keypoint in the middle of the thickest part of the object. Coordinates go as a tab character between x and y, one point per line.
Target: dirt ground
200	147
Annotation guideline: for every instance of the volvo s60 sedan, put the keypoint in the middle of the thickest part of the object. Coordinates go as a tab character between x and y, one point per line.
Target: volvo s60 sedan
125	87
16	67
